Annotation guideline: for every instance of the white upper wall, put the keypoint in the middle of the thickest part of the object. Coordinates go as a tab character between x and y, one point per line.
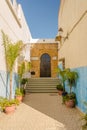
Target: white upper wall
13	23
73	20
43	41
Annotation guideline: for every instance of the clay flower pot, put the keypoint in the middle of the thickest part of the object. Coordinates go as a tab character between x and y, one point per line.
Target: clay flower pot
19	98
10	109
60	92
70	103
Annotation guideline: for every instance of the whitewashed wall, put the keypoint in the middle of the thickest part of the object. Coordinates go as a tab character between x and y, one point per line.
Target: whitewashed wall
74	48
10	26
13	23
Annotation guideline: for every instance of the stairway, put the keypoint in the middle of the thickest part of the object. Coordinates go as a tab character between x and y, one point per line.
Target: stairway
42	85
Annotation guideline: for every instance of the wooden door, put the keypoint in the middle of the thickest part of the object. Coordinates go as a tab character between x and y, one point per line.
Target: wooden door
45	66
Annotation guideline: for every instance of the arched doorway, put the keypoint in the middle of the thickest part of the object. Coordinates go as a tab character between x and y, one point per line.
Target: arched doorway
45	65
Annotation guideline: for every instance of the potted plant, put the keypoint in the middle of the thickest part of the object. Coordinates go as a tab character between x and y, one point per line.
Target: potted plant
23	83
62	77
19	94
72	77
59	87
23	68
8	106
70	99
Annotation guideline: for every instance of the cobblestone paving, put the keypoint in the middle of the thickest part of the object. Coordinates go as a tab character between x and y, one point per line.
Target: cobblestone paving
41	112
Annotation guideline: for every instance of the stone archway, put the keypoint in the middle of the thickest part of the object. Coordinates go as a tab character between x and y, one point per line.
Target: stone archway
45	65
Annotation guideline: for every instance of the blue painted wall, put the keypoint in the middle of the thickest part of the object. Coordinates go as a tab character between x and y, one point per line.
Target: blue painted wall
60	66
4	84
81	88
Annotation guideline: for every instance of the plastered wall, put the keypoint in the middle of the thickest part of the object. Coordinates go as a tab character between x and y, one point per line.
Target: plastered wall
13	23
72	18
73	15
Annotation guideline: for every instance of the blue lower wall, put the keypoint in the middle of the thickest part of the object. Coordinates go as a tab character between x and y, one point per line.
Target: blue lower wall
4	84
81	88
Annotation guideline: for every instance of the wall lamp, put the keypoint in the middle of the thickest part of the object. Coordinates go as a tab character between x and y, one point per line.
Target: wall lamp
59	36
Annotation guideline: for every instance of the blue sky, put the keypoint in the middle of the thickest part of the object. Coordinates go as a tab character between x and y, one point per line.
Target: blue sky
41	16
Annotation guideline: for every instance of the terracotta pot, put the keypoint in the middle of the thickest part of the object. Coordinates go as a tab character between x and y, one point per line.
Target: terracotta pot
10	109
60	92
70	103
19	98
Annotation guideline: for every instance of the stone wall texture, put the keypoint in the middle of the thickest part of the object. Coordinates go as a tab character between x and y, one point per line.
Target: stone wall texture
37	50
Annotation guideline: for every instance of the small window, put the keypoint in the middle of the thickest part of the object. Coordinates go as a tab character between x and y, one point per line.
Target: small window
32	73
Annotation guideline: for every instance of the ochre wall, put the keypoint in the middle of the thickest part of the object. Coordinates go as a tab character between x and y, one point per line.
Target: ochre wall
37	50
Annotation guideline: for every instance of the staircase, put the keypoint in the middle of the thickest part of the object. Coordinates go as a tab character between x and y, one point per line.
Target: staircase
42	85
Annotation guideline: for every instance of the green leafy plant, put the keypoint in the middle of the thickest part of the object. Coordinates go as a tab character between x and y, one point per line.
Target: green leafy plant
71	77
4	102
24	81
19	92
84	127
59	87
70	96
27	66
12	51
62	76
23	68
84	117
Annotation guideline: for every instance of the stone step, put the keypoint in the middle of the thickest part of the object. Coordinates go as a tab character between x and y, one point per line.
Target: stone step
42	85
50	82
43	79
52	88
41	91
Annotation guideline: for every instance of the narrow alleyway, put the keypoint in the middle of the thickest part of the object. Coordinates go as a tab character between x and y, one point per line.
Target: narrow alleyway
51	105
41	111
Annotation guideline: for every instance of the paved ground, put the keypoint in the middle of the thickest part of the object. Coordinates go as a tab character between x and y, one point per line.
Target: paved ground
43	111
